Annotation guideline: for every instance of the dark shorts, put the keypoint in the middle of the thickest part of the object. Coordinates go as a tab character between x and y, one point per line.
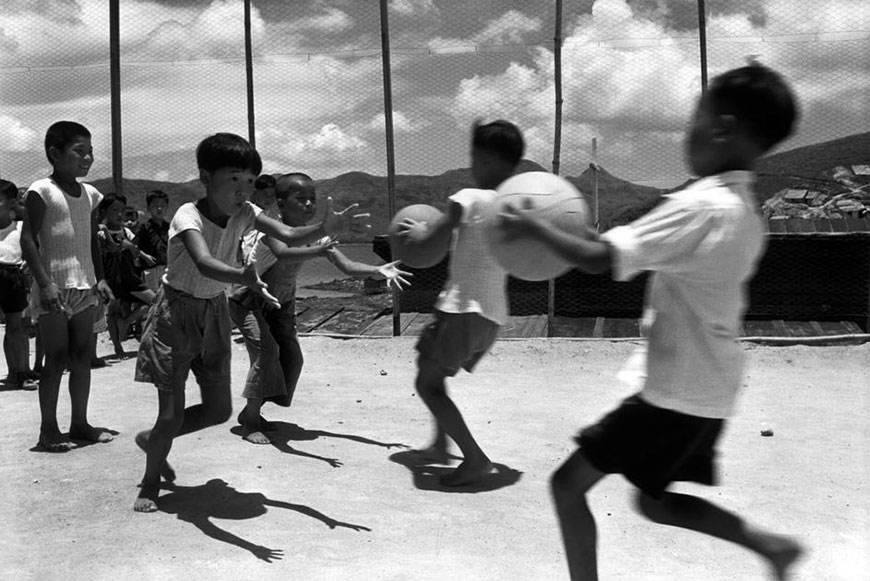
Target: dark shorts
13	289
182	334
653	446
457	341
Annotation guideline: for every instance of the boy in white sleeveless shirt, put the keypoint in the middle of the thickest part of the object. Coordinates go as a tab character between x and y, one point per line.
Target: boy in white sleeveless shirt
188	326
702	244
60	246
473	304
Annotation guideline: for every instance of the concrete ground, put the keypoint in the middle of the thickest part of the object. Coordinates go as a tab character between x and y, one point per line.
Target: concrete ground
334	497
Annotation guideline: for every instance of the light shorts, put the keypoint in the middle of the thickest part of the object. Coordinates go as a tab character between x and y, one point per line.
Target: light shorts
77	300
653	446
457	340
181	334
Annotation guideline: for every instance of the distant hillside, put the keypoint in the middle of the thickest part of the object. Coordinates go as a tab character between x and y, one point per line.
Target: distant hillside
619	201
812	166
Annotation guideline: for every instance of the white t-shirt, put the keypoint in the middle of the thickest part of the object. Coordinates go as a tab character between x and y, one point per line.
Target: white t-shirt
65	236
476	283
224	244
703	244
10	244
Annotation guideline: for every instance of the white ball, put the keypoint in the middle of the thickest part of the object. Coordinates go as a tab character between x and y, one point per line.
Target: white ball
558	202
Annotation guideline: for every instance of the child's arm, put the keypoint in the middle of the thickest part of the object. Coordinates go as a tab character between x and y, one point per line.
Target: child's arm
210	267
333	225
579	248
97	258
286	253
33	218
389	271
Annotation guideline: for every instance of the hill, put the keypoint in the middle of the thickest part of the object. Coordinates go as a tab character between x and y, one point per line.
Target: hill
620	201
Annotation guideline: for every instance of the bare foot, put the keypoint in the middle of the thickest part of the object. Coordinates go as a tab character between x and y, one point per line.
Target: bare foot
89	433
261	423
467	473
146	501
783	554
431	455
53	442
166	470
255	436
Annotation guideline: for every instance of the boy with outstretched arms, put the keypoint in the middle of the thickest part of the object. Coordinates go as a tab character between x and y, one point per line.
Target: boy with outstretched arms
188	326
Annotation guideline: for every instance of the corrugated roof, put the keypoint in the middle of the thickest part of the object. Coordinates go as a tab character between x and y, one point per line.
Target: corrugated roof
834	226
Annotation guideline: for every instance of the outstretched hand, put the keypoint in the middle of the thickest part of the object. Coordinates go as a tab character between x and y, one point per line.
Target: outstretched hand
253	281
336	224
394	275
518	221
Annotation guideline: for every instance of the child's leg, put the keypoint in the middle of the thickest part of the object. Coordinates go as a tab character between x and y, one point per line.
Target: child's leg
157	443
53	329
569	485
80	352
15	345
690	512
38	352
432	389
282	327
114	322
253	428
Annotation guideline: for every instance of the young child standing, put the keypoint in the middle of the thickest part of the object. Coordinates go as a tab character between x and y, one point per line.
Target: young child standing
59	243
473	304
123	263
153	236
188	326
13	293
703	244
269	332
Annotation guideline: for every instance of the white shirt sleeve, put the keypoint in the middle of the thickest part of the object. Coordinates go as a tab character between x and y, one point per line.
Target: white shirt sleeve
661	240
187	217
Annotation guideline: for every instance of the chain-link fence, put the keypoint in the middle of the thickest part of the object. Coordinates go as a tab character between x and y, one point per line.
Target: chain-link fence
602	90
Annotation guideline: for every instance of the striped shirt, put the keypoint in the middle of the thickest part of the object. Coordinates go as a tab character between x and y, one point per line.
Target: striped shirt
224	244
65	236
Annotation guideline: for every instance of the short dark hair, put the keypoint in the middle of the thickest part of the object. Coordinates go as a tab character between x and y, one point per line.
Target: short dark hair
156	195
227	150
8	190
62	133
265	181
759	98
108	200
501	138
295	176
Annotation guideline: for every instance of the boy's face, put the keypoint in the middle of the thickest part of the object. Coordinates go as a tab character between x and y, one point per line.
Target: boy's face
264	198
157	209
300	205
6	207
75	160
706	141
114	217
228	188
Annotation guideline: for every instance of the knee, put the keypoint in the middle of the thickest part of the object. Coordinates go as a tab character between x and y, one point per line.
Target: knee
219	412
561	482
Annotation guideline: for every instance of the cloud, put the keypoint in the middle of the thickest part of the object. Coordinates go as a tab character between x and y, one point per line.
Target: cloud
408	8
15	137
401	123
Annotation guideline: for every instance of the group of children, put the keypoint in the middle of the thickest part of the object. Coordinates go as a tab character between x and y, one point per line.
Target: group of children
702	244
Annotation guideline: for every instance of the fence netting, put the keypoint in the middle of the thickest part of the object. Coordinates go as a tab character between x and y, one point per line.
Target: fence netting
630	74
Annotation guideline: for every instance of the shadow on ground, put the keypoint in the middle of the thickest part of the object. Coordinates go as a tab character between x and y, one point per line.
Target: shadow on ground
426	476
216	499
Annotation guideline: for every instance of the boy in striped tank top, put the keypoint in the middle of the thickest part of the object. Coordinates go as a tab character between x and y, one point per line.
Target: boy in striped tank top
188	326
59	243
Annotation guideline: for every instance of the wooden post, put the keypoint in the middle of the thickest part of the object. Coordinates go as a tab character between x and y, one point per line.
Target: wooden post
115	94
702	29
388	129
557	146
249	74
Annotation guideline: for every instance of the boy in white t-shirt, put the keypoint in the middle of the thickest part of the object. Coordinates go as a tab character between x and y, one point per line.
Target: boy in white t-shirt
703	245
473	304
188	326
59	243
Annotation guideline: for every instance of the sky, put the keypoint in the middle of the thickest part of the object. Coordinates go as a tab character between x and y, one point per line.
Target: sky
630	78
